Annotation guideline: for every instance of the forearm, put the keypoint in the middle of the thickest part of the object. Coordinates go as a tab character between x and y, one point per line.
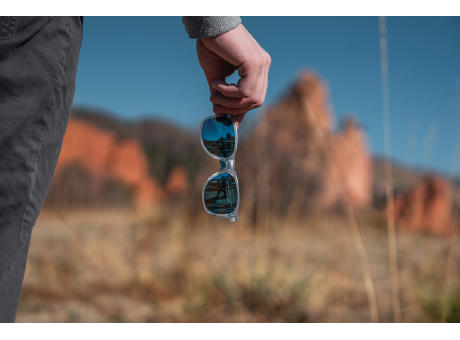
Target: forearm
206	27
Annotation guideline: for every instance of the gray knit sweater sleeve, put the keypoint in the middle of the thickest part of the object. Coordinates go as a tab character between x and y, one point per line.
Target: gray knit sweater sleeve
207	27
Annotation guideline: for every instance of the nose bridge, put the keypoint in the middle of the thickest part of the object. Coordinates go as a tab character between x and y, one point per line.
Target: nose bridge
227	164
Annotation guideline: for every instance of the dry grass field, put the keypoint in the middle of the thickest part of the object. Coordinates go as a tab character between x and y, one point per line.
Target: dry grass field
123	266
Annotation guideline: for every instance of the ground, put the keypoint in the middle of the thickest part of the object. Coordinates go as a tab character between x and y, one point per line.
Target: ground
123	266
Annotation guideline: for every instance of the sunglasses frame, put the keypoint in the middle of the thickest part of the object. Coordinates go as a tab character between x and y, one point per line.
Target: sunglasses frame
227	166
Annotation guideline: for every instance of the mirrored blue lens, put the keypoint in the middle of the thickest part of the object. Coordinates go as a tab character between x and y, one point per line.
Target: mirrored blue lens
218	135
221	194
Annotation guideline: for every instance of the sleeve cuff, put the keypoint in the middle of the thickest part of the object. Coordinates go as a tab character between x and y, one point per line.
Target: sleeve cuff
208	27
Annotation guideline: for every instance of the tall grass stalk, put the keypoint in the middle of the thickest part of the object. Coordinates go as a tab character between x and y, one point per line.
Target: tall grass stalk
351	215
453	241
450	260
392	245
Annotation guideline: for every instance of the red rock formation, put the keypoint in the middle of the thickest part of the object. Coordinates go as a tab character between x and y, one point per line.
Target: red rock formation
427	207
87	144
290	143
352	166
314	98
103	155
177	182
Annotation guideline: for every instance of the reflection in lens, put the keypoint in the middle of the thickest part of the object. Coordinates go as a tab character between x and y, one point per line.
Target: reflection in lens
221	194
218	135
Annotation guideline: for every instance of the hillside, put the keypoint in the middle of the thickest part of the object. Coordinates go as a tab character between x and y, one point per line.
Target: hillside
292	162
165	144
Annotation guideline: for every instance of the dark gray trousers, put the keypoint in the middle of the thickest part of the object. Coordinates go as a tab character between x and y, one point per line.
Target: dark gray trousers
38	64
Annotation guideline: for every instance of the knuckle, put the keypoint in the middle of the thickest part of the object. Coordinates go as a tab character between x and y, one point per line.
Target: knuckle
268	59
253	99
246	93
258	61
261	61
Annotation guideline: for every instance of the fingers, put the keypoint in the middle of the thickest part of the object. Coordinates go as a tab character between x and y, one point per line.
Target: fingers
228	90
250	91
250	83
265	77
222	110
229	99
231	103
247	95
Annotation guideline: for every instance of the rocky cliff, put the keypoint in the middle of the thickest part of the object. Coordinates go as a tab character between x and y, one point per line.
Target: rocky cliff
299	161
103	155
293	162
426	207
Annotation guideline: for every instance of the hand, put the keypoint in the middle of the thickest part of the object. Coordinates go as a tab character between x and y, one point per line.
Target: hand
220	57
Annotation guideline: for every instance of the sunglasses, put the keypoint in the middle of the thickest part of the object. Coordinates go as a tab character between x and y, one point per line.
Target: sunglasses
221	194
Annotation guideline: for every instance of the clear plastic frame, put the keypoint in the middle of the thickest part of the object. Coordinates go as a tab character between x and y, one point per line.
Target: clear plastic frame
227	167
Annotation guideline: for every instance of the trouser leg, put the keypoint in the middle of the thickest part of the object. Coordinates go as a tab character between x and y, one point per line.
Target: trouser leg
38	63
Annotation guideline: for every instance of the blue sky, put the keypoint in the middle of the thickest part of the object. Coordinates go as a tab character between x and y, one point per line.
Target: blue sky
146	66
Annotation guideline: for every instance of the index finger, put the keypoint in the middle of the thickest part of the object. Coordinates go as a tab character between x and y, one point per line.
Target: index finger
228	90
